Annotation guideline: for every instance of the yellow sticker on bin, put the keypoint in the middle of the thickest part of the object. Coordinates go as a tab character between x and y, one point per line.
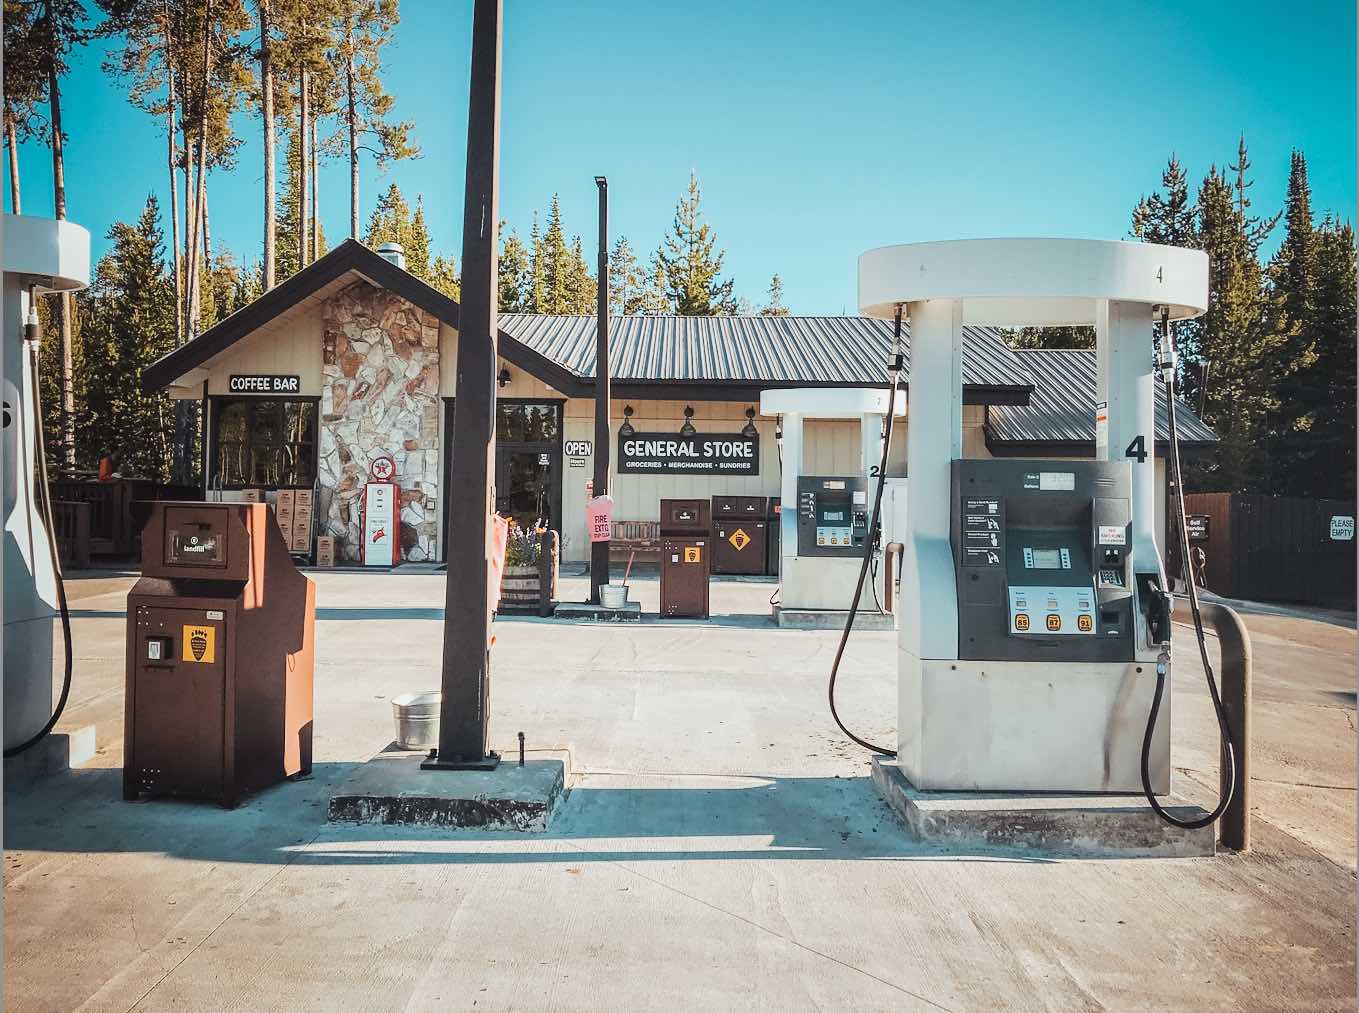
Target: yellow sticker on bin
200	644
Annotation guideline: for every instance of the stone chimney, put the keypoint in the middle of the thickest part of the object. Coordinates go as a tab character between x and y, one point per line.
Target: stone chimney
394	253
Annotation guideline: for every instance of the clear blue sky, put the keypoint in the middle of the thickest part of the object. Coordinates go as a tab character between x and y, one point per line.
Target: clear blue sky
818	130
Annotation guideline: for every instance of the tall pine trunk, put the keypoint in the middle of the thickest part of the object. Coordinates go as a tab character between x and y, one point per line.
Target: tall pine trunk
174	196
63	301
315	195
206	273
302	161
267	89
12	142
353	119
195	264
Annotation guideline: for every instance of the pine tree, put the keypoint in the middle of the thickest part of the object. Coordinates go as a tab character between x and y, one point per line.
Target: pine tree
1293	277
1051	337
774	307
537	280
25	87
393	221
555	258
1327	467
580	282
626	279
288	212
127	322
361	29
513	268
692	264
1237	342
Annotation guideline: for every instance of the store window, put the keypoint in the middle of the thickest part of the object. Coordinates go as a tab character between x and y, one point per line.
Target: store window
527	422
266	443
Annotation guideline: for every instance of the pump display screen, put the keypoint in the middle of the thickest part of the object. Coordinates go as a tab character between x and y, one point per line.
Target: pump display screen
832	515
1046	559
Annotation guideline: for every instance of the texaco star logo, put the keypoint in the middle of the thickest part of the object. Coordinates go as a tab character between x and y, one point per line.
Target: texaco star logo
382	468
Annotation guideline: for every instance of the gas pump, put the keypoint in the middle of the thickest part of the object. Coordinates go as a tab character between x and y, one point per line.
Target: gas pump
825	522
40	255
1034	641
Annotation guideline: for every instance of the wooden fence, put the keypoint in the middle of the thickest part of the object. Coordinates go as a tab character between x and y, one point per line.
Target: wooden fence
1273	548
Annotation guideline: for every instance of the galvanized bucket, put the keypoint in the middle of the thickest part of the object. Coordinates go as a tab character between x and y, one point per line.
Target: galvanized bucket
417	720
613	596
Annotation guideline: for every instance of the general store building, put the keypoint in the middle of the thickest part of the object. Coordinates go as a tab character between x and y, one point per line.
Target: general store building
354	357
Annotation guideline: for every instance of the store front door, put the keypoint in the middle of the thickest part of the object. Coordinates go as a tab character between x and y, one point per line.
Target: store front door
528	461
525	478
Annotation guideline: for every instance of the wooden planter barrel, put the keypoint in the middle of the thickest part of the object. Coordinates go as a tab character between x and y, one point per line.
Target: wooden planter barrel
521	589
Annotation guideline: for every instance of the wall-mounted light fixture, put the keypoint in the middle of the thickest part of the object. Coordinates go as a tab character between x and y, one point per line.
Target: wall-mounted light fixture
688	428
749	428
503	377
626	428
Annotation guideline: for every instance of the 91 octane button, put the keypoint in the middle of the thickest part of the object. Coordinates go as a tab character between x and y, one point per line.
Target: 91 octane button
1085	623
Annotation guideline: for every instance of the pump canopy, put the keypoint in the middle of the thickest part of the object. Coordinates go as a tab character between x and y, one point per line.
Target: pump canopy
1033	282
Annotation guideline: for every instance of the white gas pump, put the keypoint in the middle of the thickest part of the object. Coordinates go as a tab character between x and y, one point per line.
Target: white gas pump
1034	614
825	519
40	255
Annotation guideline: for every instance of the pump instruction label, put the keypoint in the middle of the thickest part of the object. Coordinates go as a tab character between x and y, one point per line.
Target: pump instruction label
983	532
200	644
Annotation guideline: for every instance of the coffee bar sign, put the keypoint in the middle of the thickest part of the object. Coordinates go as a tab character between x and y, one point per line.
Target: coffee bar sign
264	383
695	454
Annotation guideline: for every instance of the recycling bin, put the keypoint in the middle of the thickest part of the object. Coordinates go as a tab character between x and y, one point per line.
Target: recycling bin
740	534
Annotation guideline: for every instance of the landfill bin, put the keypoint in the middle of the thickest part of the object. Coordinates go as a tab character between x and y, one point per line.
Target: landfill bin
220	647
685	545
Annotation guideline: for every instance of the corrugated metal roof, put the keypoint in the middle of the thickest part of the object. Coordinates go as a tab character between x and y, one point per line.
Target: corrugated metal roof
1062	406
740	349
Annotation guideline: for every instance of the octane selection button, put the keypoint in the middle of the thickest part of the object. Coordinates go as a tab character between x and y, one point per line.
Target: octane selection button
1021	622
1054	622
1085	623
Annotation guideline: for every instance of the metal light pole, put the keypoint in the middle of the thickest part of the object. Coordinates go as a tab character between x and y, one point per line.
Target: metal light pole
463	716
599	551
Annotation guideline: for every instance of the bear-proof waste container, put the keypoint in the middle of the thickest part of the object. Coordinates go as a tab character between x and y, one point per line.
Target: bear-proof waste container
220	645
685	542
740	531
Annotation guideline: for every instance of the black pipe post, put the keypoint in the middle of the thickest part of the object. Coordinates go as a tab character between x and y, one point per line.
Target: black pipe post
599	551
463	714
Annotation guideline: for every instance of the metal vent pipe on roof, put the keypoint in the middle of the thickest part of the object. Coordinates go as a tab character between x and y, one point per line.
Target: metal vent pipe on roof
394	253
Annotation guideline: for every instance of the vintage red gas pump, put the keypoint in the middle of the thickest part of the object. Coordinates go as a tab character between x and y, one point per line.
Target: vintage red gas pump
381	514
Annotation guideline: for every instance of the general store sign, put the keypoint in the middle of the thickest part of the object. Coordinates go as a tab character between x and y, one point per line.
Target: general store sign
698	454
264	383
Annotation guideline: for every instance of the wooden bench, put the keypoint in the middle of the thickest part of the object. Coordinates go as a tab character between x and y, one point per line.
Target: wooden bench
642	537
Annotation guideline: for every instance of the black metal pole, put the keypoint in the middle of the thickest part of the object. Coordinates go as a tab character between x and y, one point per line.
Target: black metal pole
463	716
599	551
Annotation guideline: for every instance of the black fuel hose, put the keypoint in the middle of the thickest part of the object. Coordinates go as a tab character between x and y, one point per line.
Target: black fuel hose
870	542
1228	747
45	511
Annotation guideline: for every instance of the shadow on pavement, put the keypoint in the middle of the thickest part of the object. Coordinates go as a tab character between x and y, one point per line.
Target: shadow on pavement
801	818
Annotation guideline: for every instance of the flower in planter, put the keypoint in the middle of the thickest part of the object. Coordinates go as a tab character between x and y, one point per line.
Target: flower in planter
524	545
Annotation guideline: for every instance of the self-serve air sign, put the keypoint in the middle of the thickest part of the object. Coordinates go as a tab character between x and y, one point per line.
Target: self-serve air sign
695	454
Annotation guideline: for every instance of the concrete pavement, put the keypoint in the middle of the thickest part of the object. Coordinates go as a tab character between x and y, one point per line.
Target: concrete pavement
722	846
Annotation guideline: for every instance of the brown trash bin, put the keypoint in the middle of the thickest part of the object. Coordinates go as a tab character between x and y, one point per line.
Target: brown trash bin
685	548
220	646
740	534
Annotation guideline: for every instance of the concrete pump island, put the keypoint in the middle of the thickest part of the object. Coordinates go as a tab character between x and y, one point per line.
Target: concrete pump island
528	661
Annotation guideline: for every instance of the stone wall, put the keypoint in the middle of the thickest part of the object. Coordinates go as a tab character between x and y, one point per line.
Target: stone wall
379	394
